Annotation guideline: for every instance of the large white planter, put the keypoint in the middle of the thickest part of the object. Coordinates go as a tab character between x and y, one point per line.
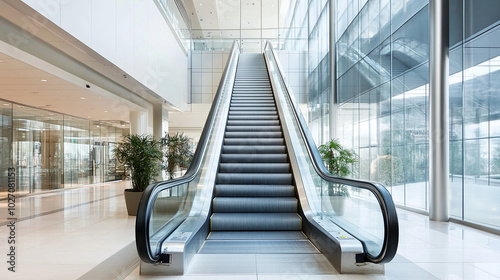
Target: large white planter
335	203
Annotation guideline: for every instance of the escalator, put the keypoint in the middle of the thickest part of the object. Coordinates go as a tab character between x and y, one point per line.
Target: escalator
255	209
257	185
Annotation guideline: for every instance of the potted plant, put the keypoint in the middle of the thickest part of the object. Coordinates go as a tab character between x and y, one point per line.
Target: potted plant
338	161
177	152
142	157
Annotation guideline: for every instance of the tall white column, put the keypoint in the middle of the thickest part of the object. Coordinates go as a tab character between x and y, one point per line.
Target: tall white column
138	122
439	209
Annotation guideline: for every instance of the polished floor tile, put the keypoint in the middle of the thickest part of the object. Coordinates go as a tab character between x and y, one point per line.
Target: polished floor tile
64	234
67	234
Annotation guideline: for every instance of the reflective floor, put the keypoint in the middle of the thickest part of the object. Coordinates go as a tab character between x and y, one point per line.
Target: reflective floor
86	233
64	234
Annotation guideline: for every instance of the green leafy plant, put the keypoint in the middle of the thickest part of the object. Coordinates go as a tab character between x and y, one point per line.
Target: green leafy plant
142	158
387	170
177	152
338	161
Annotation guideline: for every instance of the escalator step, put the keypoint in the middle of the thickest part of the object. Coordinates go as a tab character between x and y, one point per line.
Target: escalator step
255	178
227	190
254	167
262	134
241	96
257	235
254	108
256	122
253	149
254	141
253	158
252	128
252	101
255	221
255	205
263	112
253	117
261	105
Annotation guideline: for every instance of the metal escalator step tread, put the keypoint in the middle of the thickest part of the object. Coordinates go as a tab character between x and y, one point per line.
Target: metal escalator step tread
254	141
255	221
253	117
253	149
251	108
257	134
255	205
227	190
253	158
253	128
256	122
253	105
254	167
255	178
233	112
257	235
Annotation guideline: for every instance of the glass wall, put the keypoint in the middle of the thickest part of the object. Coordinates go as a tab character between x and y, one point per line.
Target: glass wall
318	99
5	145
51	151
475	111
305	57
382	70
382	92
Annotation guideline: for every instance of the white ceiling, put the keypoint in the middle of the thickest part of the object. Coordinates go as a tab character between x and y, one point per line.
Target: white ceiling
25	84
234	19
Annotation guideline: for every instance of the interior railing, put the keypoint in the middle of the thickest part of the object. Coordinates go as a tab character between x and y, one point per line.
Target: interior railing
165	205
368	214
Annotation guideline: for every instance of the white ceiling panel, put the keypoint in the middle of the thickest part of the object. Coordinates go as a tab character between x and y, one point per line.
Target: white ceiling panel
229	17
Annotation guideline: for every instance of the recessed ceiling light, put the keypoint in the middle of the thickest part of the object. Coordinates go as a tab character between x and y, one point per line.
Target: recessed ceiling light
6	104
83	98
98	126
105	111
43	80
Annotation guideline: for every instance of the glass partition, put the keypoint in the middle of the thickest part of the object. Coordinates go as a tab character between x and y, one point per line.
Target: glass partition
5	145
51	151
76	151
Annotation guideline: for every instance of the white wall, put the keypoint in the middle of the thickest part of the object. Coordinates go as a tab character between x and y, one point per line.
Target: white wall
131	34
207	68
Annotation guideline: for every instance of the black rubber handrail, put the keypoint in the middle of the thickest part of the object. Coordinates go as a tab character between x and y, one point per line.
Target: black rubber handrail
391	236
142	237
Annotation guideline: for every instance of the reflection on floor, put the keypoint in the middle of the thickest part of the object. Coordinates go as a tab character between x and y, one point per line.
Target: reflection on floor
86	233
